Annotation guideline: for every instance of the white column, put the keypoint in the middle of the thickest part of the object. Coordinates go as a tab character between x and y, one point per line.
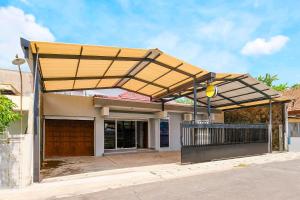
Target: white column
157	134
99	134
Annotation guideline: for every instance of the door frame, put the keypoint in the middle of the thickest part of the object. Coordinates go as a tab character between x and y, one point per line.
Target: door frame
66	118
169	147
116	131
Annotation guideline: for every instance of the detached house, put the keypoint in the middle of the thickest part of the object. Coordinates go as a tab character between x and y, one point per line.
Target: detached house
294	118
231	115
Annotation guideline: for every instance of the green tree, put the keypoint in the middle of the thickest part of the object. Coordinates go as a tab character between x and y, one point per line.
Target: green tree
296	86
7	113
269	80
280	87
184	100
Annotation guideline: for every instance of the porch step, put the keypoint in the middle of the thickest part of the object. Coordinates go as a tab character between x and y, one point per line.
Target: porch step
128	151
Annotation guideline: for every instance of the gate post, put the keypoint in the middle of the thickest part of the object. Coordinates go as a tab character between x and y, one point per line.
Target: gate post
181	141
270	127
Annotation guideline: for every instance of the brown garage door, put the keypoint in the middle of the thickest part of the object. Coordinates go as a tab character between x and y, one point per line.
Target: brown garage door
69	138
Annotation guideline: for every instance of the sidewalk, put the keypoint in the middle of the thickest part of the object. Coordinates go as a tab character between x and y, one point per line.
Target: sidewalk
99	181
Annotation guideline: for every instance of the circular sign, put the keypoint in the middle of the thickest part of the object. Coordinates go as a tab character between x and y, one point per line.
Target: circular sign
211	91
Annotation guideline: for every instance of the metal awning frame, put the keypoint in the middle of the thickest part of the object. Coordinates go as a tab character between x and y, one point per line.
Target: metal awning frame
230	98
182	90
143	62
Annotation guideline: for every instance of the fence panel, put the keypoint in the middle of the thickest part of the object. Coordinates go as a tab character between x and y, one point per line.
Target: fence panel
206	142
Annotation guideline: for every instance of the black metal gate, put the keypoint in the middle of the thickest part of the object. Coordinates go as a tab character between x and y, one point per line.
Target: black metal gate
206	142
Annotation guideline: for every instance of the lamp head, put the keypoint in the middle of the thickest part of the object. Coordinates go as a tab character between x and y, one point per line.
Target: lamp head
18	61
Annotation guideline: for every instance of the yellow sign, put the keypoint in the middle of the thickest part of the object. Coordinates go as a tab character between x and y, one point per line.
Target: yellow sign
211	91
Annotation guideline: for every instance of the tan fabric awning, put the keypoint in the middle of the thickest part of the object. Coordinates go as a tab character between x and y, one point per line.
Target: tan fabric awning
74	66
150	72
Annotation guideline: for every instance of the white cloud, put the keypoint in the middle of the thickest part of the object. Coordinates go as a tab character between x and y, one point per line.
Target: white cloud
219	28
172	44
25	2
14	24
228	31
189	50
261	46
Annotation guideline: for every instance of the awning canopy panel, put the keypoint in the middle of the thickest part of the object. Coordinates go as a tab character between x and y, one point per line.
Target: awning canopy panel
150	72
236	91
74	66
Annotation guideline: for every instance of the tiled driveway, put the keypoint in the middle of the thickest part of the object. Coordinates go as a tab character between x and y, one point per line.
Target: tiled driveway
74	165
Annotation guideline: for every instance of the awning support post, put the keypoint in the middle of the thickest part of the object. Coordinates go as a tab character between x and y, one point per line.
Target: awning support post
36	121
270	126
162	105
208	110
195	101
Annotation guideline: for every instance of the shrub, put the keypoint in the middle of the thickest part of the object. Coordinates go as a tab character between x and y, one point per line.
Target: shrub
7	113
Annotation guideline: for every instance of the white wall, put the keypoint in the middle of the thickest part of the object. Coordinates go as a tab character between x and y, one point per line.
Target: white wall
294	144
16	153
99	136
294	136
152	133
65	105
16	161
175	120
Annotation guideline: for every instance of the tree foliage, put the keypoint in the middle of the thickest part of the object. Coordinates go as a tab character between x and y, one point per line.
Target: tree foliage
184	100
7	113
296	86
269	80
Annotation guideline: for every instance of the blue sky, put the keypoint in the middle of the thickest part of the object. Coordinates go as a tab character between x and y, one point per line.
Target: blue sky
255	37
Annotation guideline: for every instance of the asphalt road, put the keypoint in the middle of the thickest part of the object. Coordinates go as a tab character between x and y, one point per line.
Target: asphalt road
273	181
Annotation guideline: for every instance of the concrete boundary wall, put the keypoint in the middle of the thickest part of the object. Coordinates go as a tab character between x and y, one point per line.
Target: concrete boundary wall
16	161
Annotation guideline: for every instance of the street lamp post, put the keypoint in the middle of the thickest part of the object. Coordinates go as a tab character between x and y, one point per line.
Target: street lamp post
19	61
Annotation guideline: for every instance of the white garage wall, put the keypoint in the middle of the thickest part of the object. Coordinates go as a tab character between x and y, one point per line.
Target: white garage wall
294	145
65	105
175	120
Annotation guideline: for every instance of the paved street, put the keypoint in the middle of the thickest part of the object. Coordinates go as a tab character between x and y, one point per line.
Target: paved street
276	175
279	180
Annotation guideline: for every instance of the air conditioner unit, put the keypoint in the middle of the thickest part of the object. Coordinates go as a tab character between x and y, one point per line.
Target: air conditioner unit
187	117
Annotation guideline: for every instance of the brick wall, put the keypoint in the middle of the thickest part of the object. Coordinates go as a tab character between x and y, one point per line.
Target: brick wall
259	114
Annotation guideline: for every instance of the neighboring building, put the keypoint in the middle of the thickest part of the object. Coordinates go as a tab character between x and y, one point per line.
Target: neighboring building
16	148
12	77
10	86
294	118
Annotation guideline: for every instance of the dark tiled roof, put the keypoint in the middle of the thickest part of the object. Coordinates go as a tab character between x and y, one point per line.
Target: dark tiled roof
293	94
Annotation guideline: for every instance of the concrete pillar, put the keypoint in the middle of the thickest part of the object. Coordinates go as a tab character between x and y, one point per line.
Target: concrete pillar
152	133
99	134
286	126
157	134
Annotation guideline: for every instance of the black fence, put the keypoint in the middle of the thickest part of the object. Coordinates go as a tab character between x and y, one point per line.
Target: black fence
205	142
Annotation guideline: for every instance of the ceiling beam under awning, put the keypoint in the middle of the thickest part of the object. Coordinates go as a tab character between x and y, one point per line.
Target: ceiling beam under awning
152	54
206	77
